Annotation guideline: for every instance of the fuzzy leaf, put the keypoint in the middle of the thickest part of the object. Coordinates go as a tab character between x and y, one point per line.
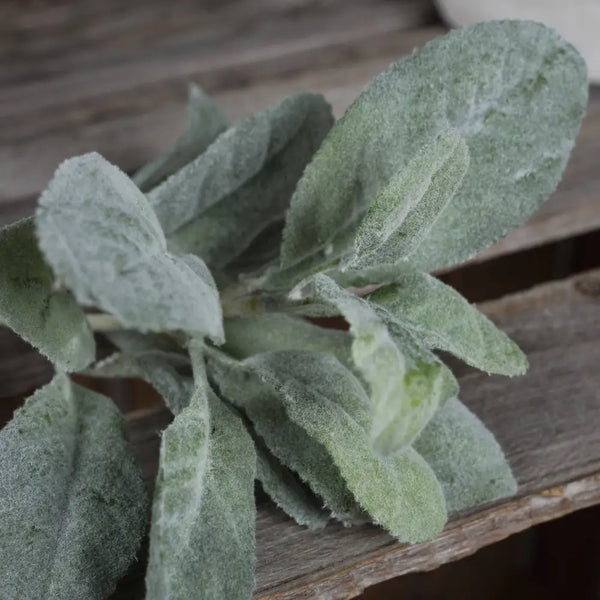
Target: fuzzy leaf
203	516
514	90
288	492
405	209
277	331
99	234
400	492
286	440
223	231
229	162
407	383
32	305
203	124
73	504
164	371
441	318
466	458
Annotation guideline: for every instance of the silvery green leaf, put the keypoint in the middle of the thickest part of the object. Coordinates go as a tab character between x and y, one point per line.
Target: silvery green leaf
323	260
288	492
166	372
466	458
405	209
400	492
441	318
223	231
204	122
101	237
276	331
514	90
407	383
35	307
229	162
284	439
203	516
73	505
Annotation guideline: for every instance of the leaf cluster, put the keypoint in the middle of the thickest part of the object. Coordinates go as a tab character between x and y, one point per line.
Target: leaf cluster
208	271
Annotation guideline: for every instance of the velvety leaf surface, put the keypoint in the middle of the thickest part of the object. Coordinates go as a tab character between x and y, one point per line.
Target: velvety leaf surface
466	458
32	305
277	331
287	491
203	516
441	318
203	124
229	162
406	208
73	505
102	239
514	90
400	492
285	439
223	231
407	383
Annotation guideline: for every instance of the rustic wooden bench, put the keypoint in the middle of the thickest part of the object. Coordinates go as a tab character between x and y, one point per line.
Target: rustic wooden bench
111	77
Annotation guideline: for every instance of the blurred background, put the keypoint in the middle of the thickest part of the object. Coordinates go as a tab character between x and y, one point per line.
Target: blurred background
112	76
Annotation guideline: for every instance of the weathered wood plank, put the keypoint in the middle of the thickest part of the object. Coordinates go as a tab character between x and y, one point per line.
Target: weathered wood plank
546	421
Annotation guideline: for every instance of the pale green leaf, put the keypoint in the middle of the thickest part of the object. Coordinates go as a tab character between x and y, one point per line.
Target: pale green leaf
441	318
34	305
101	237
287	491
229	162
72	501
203	516
406	208
466	458
514	90
203	124
223	231
276	331
400	493
286	440
407	383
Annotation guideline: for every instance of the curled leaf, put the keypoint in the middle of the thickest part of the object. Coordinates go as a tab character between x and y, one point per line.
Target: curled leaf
101	237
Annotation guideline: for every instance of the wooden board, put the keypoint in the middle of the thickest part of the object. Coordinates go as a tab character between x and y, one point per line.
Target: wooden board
547	422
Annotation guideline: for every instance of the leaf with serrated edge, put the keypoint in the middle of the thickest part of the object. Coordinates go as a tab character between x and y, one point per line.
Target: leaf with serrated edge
101	237
400	492
441	318
407	383
203	124
286	440
223	231
73	501
466	458
514	90
405	209
229	162
203	516
35	307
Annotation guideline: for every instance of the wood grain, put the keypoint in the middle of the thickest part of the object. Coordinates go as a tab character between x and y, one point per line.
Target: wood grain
547	423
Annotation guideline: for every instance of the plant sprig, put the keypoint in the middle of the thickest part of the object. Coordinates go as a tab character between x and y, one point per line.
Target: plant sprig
206	271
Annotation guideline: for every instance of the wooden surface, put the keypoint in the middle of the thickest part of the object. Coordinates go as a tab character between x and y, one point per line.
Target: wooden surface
547	422
111	76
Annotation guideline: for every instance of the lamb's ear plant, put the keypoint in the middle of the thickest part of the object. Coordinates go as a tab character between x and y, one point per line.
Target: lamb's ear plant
206	272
